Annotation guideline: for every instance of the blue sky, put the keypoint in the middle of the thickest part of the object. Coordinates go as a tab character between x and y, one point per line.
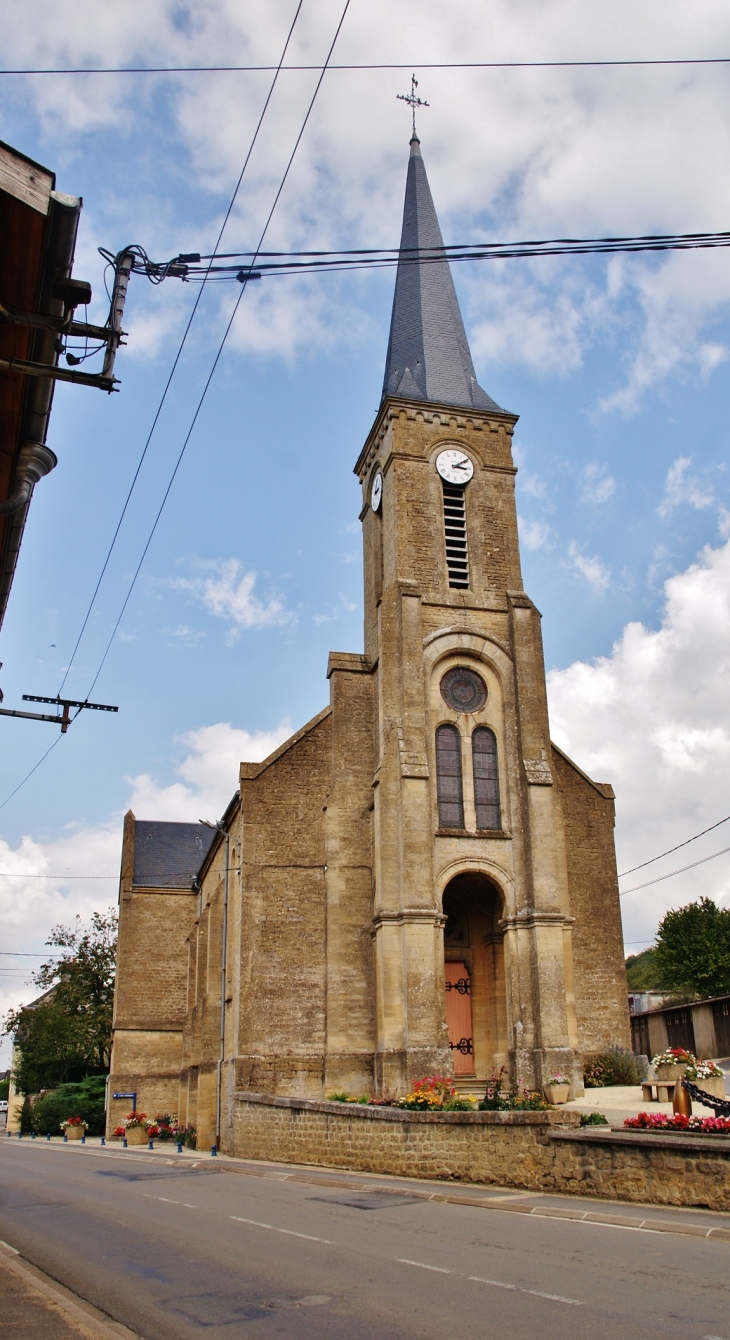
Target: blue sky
618	368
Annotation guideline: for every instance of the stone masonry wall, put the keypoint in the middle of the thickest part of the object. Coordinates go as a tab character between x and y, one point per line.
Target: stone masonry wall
537	1151
601	991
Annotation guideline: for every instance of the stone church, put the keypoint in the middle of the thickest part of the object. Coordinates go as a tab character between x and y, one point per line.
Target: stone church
418	881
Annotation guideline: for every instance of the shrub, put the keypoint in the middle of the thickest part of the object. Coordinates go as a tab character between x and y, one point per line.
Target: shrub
85	1100
513	1099
614	1066
593	1119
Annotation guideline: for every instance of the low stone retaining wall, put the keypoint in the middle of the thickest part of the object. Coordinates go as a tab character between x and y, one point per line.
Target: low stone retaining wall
538	1151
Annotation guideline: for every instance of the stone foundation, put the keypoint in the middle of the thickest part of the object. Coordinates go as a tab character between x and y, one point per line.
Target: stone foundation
537	1151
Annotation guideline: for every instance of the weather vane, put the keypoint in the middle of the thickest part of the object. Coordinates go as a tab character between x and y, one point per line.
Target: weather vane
413	101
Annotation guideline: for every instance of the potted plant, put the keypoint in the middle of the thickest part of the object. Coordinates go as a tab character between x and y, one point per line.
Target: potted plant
708	1076
74	1128
135	1128
557	1089
672	1063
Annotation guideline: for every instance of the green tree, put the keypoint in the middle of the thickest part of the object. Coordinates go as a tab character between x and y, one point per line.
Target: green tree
642	972
67	1033
693	949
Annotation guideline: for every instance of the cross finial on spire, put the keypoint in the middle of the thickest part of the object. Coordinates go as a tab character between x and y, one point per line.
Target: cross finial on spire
413	101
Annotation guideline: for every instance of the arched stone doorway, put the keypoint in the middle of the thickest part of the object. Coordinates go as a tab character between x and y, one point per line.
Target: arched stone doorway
476	1001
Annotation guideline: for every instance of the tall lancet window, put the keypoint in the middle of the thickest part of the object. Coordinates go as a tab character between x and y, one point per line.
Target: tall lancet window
457	556
448	777
486	778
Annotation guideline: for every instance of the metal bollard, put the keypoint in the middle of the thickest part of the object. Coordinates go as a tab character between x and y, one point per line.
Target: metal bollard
48	1136
179	1146
124	1143
83	1138
32	1135
213	1152
150	1144
65	1138
103	1141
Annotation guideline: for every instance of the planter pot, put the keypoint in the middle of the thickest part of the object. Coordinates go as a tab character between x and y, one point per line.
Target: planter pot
714	1085
670	1072
74	1132
557	1093
137	1135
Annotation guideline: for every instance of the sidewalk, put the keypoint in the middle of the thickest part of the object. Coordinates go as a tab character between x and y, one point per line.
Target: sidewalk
620	1101
34	1307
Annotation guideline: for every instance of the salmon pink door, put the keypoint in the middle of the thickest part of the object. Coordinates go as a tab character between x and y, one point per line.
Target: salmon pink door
458	1017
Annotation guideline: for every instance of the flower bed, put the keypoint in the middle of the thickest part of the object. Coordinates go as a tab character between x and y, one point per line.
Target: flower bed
659	1121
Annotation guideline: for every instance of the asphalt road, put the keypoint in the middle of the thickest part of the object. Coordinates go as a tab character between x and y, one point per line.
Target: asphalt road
176	1251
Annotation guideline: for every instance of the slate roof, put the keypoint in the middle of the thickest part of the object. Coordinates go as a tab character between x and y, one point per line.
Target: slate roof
428	353
168	856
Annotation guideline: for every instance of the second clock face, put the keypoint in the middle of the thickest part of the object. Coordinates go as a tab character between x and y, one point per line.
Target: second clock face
376	494
454	466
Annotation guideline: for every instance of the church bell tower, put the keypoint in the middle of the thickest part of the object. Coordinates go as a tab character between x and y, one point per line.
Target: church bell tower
471	894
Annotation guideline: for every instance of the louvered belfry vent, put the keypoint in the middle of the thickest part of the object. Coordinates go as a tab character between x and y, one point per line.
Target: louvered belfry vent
457	556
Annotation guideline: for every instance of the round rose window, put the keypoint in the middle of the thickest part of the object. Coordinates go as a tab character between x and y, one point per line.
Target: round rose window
463	690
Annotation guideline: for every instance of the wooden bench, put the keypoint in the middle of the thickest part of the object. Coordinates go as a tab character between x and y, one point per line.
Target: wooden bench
664	1090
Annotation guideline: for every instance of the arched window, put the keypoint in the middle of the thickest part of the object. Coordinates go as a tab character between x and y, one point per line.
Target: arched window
448	777
486	778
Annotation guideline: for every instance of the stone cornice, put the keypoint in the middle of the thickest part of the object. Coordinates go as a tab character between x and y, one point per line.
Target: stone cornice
408	916
529	917
451	416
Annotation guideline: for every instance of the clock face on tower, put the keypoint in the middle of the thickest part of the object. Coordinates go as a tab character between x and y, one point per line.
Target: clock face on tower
454	466
376	493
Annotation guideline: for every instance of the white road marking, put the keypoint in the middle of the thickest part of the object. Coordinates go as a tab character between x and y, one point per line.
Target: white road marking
536	1293
167	1201
403	1260
289	1231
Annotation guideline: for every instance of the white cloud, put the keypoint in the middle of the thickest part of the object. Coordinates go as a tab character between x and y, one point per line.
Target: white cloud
227	593
533	534
653	718
209	772
597	486
591	568
682	488
555	162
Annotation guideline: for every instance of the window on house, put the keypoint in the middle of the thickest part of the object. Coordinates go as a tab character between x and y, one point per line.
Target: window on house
457	557
486	778
448	777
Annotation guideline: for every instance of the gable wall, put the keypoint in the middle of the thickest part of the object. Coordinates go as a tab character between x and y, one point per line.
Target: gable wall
601	991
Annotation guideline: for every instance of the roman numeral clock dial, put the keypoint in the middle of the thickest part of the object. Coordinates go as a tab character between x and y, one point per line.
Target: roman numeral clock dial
454	466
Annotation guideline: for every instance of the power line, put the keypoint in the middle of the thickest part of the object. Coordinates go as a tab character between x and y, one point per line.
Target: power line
669	851
219	352
181	346
28	775
681	871
262	265
410	65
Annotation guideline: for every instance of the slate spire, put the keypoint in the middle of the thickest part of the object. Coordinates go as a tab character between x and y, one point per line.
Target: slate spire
428	354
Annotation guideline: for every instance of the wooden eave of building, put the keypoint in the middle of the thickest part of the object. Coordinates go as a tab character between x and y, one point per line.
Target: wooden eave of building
37	238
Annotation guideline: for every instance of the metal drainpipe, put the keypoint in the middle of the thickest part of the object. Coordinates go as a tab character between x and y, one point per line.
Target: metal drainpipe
224	947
